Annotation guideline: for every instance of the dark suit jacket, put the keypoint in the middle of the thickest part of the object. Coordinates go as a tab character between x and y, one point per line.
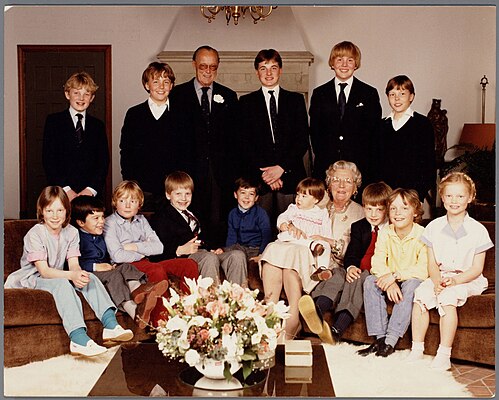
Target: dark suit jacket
291	138
68	164
198	147
360	238
93	250
349	139
172	229
147	148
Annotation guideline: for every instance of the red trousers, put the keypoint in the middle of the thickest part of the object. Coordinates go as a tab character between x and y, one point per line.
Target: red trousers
180	267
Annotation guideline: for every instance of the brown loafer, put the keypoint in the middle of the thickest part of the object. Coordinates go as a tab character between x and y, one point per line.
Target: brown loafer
139	294
321	274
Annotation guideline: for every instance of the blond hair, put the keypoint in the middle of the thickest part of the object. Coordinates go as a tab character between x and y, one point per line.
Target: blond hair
127	188
457	177
81	80
409	197
347	49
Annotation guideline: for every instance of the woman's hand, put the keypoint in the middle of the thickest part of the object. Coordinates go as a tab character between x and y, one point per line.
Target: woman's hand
190	247
80	278
353	273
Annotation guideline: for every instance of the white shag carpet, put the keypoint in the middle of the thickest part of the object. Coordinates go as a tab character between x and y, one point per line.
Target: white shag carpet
352	376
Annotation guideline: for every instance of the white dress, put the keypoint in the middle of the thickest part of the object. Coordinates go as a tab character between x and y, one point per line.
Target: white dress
454	253
290	253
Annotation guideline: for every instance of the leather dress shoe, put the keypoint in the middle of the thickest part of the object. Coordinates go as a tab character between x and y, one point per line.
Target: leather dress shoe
317	249
139	294
144	309
384	350
321	274
336	334
373	348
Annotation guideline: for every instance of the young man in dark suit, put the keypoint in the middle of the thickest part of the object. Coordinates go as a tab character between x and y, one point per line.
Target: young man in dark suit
343	293
274	129
147	146
75	149
344	115
205	137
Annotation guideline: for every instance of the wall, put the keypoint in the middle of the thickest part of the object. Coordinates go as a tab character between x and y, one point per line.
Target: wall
445	51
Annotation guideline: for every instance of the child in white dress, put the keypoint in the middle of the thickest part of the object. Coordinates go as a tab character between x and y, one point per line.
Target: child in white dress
298	245
456	254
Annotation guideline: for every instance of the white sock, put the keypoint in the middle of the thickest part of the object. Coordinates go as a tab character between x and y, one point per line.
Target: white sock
442	359
417	350
417	346
130	307
133	285
444	351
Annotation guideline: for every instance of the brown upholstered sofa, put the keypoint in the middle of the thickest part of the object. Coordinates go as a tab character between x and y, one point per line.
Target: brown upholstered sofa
475	337
33	330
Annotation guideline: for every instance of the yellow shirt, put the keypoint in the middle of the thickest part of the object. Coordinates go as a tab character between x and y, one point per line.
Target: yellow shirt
407	256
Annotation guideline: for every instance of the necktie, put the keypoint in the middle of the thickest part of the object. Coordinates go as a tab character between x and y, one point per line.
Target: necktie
342	99
273	114
79	129
205	104
365	263
192	221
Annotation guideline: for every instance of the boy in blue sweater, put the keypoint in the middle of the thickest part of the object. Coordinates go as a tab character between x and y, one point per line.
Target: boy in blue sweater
249	225
126	285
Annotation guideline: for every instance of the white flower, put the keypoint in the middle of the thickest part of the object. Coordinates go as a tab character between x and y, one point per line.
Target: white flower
218	98
205	283
213	333
281	309
176	324
192	357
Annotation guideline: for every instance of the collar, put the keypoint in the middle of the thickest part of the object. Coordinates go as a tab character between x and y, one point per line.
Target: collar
380	226
198	86
244	210
407	114
461	231
121	220
414	233
73	113
152	104
266	91
349	81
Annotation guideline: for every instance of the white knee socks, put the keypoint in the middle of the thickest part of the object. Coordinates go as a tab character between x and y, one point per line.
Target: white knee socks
442	359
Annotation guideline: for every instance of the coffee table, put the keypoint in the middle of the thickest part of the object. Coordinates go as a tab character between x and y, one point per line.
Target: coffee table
139	369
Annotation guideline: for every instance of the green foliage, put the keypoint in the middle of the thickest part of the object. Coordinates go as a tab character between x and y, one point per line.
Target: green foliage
479	164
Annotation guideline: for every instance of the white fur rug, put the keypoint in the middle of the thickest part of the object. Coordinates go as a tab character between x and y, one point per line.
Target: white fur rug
352	376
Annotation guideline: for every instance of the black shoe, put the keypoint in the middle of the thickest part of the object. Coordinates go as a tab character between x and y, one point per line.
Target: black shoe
317	249
336	334
384	350
373	348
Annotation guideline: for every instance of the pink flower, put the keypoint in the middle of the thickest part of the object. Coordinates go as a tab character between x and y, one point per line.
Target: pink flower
237	293
217	308
204	334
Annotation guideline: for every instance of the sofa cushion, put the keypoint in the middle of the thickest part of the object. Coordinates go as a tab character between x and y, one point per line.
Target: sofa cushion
14	232
35	307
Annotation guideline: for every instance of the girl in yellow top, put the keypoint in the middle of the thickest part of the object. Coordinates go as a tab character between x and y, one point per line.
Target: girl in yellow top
399	265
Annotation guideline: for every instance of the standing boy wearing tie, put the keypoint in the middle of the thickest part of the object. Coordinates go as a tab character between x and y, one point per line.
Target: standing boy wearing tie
274	129
182	235
75	150
147	147
343	293
344	115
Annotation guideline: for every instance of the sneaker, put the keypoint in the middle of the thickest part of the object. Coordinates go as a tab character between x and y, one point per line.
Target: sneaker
441	363
118	334
90	350
414	356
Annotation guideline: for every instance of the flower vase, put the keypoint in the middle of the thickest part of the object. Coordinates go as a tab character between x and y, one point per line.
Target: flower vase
214	369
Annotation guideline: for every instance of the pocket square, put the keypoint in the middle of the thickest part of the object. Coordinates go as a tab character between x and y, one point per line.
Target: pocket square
360	105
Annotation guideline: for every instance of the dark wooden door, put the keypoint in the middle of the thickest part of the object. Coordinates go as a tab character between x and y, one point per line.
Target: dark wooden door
43	70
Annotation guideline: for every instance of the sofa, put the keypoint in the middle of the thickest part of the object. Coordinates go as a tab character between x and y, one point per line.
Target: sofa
33	330
475	336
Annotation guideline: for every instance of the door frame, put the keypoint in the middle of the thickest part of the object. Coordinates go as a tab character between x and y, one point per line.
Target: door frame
22	50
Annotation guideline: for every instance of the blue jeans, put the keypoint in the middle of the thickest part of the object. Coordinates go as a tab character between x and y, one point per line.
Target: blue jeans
69	304
376	313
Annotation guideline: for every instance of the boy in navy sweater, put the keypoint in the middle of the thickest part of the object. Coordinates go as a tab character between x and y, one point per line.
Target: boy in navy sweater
249	225
126	285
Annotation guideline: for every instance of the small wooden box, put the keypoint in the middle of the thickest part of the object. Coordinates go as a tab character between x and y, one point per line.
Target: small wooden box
298	353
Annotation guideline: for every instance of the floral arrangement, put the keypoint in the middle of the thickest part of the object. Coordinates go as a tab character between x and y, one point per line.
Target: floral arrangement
224	323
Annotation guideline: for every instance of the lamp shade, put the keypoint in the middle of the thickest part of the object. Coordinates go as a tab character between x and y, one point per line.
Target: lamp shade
481	135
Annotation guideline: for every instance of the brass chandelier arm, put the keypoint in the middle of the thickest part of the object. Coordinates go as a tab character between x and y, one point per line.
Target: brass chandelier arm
257	13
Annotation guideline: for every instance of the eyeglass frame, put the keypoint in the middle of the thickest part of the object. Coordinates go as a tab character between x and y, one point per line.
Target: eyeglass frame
334	180
204	67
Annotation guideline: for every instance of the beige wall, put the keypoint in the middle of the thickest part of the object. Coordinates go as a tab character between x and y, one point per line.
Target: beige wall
444	50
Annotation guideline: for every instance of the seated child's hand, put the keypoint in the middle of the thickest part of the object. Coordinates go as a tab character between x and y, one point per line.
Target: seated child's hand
130	247
353	273
80	278
218	251
385	281
190	247
394	294
101	267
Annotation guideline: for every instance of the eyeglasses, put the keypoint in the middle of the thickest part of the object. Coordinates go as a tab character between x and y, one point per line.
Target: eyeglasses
204	67
336	181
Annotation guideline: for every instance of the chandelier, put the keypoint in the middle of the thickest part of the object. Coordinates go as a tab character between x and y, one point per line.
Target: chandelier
235	12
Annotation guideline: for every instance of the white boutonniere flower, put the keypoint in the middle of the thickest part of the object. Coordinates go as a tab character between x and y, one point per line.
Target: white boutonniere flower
360	105
218	98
